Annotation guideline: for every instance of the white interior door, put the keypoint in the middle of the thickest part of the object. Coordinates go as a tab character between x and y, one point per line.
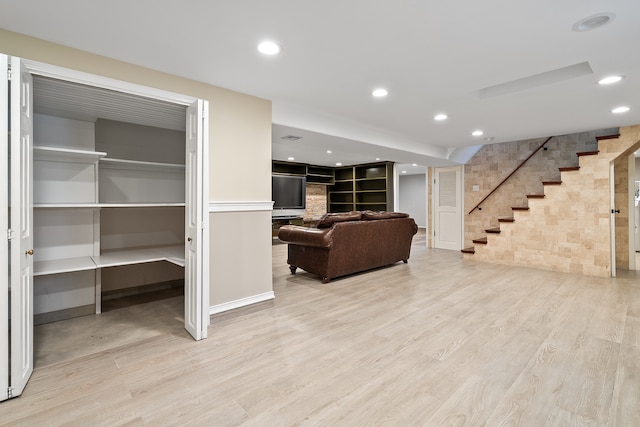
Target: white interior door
196	282
4	225
21	226
447	205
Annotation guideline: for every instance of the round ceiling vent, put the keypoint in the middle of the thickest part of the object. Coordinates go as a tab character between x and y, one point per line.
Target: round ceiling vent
592	22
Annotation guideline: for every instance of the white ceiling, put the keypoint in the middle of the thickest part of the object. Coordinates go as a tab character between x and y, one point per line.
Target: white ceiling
514	69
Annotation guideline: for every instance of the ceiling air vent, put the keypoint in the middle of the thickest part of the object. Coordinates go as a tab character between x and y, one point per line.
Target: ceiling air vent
291	137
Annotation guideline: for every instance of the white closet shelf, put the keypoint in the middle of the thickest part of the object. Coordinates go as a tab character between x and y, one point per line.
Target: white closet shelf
172	254
105	205
68	155
141	205
42	268
109	163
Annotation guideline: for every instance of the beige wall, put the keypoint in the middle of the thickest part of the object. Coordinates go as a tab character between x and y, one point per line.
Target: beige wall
239	134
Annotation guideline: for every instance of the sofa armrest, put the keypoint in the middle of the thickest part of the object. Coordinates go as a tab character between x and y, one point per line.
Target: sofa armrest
305	236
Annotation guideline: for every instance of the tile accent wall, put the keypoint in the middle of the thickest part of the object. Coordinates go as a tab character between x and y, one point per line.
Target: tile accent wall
568	230
494	162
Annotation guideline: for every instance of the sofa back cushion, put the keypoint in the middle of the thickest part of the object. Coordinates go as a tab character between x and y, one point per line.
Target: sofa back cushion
370	215
329	219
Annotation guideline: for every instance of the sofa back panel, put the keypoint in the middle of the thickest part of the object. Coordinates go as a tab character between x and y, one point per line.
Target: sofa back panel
362	245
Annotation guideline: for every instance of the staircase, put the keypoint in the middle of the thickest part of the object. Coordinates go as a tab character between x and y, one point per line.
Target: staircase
556	228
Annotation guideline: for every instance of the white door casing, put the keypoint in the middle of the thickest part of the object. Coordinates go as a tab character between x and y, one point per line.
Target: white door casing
21	243
196	298
20	220
201	288
612	220
4	225
447	205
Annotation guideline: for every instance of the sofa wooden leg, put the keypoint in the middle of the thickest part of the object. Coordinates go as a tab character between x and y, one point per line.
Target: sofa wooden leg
293	269
405	261
325	280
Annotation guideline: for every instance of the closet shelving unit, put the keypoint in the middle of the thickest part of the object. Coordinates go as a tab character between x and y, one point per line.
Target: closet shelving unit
92	212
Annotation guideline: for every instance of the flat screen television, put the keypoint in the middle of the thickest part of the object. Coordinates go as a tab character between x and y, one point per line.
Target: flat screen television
288	192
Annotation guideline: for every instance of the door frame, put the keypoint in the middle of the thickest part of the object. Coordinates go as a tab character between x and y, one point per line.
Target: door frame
74	76
612	218
459	202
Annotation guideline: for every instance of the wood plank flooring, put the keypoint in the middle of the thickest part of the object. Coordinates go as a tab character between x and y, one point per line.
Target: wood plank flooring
436	342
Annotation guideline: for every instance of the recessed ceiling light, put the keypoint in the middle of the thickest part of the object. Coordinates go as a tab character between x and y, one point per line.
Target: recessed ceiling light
619	110
338	164
290	158
380	92
269	48
329	151
489	138
404	171
609	80
291	137
415	164
477	133
440	117
592	22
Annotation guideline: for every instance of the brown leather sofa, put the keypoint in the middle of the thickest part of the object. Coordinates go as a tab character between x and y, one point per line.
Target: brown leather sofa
350	242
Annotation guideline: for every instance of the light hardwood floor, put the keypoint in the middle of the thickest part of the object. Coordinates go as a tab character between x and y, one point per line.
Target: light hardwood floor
436	342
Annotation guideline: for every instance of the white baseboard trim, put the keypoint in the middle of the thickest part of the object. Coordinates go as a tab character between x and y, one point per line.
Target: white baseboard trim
240	206
215	309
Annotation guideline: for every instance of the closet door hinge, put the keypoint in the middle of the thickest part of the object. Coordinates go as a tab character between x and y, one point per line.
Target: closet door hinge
9	392
9	75
10	234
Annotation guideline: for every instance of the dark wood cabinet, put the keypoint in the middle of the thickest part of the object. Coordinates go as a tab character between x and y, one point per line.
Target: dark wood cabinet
362	187
314	174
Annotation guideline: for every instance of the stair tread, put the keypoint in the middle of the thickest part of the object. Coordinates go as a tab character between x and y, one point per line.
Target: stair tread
587	153
481	241
535	196
468	251
569	168
493	230
506	220
551	182
519	208
603	137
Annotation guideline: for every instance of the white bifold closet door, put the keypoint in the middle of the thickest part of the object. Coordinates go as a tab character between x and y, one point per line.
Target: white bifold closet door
4	225
196	319
18	298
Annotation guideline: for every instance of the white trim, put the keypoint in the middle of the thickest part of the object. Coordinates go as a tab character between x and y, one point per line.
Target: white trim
240	206
243	302
90	79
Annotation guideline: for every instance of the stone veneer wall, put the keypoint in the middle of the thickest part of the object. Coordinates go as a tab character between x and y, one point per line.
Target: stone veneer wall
568	230
316	202
493	162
